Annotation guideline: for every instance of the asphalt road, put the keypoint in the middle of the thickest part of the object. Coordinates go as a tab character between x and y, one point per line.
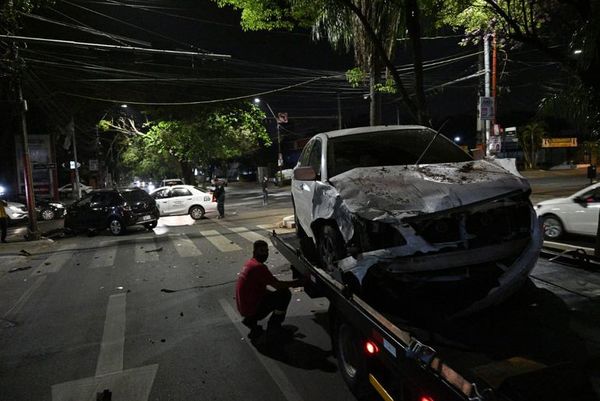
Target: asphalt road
151	315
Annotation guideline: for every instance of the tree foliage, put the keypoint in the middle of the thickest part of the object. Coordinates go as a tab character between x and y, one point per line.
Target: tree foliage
566	31
530	139
198	137
11	10
369	28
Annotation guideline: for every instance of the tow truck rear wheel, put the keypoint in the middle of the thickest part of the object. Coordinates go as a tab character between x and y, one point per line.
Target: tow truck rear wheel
347	346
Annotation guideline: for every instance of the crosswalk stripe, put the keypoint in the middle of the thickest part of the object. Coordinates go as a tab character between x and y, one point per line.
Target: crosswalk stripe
249	235
144	252
56	261
103	257
185	247
220	241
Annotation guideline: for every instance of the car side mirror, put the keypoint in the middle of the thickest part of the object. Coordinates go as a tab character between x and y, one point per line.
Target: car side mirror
581	201
306	173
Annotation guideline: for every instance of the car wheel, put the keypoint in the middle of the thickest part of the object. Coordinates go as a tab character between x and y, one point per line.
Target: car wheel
351	359
116	227
150	226
47	214
330	247
553	228
196	212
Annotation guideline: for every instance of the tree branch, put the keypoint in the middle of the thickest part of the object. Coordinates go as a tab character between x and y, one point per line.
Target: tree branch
383	56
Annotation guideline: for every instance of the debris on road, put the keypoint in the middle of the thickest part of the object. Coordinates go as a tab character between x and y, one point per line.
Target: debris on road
154	250
16	269
24	252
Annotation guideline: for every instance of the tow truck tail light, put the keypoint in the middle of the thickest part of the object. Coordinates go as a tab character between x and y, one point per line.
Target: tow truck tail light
371	348
425	398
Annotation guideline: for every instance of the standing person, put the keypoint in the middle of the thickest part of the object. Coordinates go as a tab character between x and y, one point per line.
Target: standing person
219	194
265	183
255	301
3	220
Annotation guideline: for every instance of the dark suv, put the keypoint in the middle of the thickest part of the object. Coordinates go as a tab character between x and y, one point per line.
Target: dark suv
115	209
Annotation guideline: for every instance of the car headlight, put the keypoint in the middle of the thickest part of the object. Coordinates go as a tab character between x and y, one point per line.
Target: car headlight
57	205
14	208
371	235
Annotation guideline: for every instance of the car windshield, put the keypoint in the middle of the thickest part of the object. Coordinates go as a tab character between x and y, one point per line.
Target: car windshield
136	196
390	148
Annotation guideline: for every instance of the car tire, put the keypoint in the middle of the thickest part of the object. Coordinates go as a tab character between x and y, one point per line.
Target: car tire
347	346
150	226
197	212
47	214
330	247
553	227
116	226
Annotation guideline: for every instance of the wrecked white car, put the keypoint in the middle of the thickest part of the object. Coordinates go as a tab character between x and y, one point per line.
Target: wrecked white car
401	209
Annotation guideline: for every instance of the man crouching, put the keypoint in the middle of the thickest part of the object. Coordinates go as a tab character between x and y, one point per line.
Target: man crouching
255	301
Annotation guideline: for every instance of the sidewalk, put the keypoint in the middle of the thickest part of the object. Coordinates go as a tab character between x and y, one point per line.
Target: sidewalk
17	244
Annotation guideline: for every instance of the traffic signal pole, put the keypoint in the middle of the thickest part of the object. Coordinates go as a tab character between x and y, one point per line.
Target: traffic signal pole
33	232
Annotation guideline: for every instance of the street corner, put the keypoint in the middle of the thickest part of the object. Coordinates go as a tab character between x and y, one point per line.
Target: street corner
25	248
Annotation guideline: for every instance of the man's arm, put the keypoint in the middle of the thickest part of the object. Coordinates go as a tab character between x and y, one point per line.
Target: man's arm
283	284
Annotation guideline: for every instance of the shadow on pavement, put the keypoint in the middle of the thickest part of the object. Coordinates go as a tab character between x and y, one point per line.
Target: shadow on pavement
295	352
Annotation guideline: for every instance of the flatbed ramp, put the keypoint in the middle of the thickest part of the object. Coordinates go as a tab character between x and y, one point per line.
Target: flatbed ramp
543	344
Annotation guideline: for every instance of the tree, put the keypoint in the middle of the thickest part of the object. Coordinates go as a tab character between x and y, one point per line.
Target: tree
371	27
530	139
542	24
196	137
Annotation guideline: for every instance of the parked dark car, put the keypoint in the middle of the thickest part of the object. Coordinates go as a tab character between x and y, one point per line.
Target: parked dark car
115	209
47	209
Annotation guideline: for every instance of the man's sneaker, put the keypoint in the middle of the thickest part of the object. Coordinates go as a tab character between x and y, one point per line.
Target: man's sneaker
255	332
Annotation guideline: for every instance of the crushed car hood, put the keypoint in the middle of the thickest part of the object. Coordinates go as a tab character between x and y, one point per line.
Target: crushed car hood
403	191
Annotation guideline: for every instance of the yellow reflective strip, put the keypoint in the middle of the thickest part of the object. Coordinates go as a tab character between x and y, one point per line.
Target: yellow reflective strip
377	386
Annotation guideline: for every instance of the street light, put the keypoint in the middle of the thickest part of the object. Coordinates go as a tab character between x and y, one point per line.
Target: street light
279	155
457	139
577	51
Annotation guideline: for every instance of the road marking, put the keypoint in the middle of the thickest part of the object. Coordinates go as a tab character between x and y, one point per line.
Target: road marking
131	385
53	263
110	359
185	247
16	308
141	251
249	235
220	241
278	376
103	257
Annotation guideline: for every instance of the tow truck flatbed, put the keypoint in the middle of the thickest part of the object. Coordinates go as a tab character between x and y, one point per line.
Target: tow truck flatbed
542	345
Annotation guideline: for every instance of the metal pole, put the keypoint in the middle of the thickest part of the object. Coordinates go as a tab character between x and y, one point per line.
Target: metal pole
279	155
76	186
486	89
33	231
339	105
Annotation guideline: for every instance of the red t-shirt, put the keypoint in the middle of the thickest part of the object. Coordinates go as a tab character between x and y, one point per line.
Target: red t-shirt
251	286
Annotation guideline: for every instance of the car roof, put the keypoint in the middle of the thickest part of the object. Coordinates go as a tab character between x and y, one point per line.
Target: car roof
376	128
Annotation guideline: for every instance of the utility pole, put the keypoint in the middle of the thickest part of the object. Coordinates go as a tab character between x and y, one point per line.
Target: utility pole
486	89
76	187
33	232
339	106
